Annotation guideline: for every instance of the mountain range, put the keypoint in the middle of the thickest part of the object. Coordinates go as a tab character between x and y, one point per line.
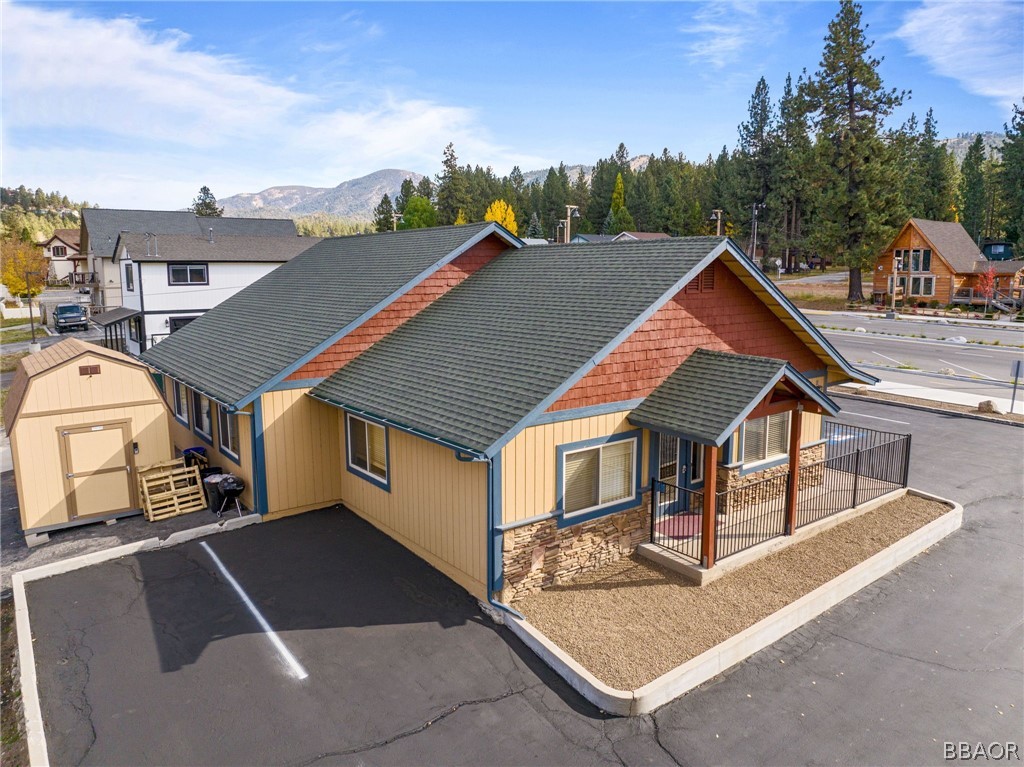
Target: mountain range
356	199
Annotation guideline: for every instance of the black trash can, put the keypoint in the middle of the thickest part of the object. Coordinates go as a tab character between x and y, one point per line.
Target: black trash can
195	456
211	483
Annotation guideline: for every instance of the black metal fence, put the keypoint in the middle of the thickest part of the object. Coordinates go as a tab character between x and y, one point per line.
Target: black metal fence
860	465
676	518
751	514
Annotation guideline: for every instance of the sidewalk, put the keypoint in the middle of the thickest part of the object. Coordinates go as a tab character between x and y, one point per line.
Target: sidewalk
1000	324
945	395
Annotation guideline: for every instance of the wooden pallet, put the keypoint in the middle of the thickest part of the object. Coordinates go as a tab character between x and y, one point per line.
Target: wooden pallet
169	489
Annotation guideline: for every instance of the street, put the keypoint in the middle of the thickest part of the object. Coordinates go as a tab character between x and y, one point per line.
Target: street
933	329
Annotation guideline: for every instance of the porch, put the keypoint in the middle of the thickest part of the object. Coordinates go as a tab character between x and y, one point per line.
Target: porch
859	466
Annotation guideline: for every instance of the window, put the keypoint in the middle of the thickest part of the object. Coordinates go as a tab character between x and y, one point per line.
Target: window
668	464
766	438
201	413
597	477
227	424
696	463
177	323
187	274
135	329
921	261
59	251
922	286
902	283
129	277
181	403
368	450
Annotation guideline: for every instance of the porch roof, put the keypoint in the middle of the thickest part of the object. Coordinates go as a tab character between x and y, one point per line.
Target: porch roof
113	316
708	396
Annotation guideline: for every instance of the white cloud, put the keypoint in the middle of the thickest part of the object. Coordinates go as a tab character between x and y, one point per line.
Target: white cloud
128	116
977	44
724	32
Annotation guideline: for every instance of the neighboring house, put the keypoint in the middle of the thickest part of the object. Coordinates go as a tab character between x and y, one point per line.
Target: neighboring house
508	432
591	239
998	250
167	281
237	377
938	261
633	236
63	252
101	228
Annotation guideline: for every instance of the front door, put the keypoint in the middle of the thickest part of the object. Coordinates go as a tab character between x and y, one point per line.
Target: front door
98	469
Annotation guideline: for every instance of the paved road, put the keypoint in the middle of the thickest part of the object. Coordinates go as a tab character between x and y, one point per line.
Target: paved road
152	660
987	363
930	329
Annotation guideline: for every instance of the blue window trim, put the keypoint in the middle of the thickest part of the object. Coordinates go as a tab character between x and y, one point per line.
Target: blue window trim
383	484
236	459
187	422
565	520
208	439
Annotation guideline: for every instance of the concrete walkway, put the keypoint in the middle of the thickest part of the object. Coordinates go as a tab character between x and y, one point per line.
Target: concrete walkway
946	395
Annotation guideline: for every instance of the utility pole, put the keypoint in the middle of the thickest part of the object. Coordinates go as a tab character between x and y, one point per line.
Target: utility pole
753	229
571	212
897	263
28	289
395	218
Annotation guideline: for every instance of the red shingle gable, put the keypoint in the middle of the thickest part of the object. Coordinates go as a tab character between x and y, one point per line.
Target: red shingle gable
399	311
725	317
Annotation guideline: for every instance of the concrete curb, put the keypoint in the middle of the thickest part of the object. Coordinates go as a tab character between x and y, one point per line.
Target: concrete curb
35	735
765	632
925	408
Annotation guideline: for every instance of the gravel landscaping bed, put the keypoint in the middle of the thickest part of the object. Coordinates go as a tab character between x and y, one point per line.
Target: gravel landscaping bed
633	621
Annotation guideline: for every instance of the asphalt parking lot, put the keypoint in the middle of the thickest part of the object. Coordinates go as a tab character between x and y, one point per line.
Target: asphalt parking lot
156	659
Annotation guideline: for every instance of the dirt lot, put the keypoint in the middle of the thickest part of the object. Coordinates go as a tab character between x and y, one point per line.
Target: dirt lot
633	621
825	296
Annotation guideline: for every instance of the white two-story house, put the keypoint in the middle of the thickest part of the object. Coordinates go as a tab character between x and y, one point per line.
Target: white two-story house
103	227
63	254
169	280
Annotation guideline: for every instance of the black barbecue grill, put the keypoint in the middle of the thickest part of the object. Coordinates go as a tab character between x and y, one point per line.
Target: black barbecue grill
230	488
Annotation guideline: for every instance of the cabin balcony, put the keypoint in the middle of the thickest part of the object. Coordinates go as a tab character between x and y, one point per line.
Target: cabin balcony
858	466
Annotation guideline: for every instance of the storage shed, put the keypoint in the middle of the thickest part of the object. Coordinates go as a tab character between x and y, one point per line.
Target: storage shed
81	418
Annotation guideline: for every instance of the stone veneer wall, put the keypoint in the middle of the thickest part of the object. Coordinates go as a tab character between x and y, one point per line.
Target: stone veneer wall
541	554
729	478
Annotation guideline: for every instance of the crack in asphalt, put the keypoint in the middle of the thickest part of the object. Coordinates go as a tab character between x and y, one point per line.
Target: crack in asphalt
894	654
657	739
408	733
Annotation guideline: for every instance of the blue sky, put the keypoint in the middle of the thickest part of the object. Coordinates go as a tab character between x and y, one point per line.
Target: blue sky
138	104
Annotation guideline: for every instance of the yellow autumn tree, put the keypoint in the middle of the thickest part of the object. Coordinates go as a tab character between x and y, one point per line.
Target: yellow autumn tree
501	212
18	258
461	219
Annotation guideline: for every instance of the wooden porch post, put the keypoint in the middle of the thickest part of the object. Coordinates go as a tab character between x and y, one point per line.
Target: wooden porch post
794	468
708	519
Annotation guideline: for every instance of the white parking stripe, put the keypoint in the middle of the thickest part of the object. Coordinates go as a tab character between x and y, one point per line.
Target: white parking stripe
888	358
975	372
291	660
876	417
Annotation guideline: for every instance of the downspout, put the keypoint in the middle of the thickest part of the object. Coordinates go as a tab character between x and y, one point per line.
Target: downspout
492	532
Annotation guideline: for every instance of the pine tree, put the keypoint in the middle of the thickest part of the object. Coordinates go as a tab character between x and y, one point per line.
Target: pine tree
1011	177
787	201
534	230
383	215
608	227
501	212
756	156
938	193
857	202
618	195
972	189
452	188
405	194
425	189
205	204
460	219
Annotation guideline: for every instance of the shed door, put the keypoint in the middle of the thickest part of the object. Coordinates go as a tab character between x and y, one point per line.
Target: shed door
98	469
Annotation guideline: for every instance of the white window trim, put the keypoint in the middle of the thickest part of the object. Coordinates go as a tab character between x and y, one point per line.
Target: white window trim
182	417
198	414
386	479
632	477
769	458
222	412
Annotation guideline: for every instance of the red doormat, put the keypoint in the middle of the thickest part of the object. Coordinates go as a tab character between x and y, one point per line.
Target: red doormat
680	526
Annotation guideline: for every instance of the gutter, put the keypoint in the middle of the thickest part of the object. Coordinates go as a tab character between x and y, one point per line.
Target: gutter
492	532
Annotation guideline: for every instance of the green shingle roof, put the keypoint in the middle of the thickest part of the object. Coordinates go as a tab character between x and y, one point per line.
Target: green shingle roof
473	365
302	306
711	393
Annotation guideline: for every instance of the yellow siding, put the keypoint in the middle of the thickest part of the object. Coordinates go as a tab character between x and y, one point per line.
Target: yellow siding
437	506
529	462
35	438
810	428
302	447
183	437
